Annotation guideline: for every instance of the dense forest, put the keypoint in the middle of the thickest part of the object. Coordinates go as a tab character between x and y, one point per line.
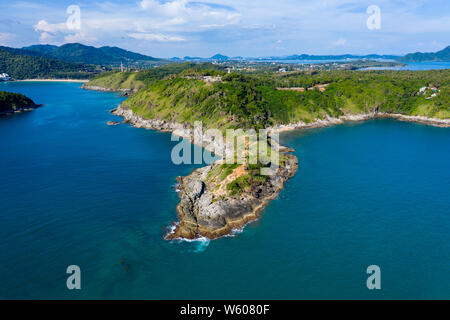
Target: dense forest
257	100
10	102
79	53
443	55
22	65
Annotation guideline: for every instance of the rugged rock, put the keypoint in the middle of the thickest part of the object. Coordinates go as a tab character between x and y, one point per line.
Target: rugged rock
201	213
200	216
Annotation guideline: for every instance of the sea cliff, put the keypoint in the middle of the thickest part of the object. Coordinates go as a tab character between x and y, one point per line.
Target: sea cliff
207	208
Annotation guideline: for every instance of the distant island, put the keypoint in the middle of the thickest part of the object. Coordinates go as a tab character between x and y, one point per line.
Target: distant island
443	55
14	103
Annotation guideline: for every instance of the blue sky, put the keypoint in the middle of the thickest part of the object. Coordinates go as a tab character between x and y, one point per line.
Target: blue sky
245	28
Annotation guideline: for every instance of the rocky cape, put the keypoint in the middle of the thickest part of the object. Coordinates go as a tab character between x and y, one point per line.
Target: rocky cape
200	213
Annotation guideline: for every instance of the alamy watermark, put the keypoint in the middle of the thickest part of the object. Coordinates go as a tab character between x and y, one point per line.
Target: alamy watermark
74	280
374	280
374	20
74	20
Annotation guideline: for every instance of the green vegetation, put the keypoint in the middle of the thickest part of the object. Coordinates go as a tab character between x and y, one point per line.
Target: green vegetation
238	185
10	102
184	94
141	79
118	81
20	64
443	55
79	53
253	101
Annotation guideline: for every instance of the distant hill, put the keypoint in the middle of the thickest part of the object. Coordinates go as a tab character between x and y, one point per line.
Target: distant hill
443	55
332	57
79	53
24	64
193	58
219	57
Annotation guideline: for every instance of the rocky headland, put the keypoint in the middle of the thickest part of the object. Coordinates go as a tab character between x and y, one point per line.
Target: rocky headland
206	209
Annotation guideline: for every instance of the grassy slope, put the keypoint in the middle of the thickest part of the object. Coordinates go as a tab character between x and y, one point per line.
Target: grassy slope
118	81
246	102
139	80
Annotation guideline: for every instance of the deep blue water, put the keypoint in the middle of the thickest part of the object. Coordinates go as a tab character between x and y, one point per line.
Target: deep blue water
76	191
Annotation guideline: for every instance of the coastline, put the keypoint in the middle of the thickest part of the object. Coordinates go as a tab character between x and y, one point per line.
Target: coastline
331	121
21	110
53	80
199	216
103	89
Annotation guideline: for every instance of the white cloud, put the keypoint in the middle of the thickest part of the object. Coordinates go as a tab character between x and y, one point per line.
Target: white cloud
79	37
46	38
44	26
158	37
250	27
339	42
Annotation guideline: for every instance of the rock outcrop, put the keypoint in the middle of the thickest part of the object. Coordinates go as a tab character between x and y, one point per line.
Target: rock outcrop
201	216
201	213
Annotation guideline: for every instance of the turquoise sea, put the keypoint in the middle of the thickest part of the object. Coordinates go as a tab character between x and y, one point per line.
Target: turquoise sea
75	191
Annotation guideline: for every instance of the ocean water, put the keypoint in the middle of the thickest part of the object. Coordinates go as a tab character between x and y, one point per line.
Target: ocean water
411	66
415	66
78	192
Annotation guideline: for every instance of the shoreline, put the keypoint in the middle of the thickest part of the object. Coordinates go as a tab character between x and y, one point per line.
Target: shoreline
200	217
53	80
21	110
332	121
103	89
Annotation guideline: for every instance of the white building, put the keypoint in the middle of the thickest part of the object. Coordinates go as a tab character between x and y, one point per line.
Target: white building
4	77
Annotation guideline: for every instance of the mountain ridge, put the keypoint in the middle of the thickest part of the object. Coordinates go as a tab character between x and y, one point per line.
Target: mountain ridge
80	53
442	55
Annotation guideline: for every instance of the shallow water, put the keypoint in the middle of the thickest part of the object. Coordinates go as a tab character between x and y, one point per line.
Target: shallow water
76	191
